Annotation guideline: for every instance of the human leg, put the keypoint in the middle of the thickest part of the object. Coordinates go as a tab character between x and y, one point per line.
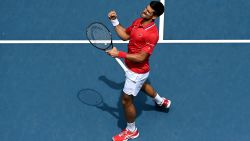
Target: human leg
131	88
160	101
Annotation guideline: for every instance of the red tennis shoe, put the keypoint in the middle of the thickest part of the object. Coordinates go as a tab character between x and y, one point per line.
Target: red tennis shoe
126	135
165	103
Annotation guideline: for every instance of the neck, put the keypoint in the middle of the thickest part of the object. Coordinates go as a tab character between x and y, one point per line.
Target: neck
145	21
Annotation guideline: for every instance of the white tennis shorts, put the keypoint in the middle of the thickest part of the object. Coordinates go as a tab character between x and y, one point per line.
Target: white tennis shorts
134	82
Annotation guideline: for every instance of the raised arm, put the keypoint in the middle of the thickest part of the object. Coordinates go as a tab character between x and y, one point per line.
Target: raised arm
120	30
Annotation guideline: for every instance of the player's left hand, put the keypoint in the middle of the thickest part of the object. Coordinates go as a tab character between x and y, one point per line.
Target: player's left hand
113	52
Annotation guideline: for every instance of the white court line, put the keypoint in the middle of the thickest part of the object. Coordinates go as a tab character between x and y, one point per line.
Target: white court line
161	23
203	41
161	40
120	41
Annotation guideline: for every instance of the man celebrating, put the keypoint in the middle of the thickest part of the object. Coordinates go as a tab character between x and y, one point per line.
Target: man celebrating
143	37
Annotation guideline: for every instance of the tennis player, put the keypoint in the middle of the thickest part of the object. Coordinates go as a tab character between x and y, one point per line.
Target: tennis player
143	37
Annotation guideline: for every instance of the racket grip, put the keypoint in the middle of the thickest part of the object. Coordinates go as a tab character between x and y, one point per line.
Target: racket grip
121	64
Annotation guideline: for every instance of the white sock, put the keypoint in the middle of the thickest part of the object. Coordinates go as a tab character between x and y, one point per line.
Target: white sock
158	99
131	127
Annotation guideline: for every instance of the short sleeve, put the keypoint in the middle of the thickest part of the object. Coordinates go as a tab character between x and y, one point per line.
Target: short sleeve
129	29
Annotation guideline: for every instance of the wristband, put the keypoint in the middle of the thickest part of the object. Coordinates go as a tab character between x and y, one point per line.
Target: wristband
115	22
122	54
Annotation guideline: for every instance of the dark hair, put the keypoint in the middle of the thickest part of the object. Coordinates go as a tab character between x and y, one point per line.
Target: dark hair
158	7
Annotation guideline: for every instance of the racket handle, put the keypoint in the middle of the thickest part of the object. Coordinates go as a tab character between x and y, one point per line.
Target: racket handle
121	64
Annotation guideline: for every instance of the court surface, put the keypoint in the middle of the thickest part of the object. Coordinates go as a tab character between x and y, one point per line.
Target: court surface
40	83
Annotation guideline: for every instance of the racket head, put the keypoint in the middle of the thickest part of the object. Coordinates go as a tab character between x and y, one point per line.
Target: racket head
90	97
99	36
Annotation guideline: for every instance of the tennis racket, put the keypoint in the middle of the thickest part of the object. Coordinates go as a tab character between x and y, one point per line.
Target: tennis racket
101	38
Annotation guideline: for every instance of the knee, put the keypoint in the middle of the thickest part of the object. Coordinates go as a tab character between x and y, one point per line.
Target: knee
127	100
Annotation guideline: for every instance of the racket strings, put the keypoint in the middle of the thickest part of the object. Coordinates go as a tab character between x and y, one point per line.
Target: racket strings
99	36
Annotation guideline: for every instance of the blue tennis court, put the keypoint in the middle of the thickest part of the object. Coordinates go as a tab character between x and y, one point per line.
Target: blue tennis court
208	84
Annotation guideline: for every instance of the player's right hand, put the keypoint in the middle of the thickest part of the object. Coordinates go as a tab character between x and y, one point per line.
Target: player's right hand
112	15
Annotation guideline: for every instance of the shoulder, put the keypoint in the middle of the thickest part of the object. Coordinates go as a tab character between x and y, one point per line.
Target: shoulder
153	31
137	21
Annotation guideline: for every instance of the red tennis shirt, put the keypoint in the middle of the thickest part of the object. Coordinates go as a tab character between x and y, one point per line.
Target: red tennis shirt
142	38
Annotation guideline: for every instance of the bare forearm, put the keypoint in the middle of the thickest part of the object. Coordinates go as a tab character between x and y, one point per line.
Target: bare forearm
136	57
121	32
133	58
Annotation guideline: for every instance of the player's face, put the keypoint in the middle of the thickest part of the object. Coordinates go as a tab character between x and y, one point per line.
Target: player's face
148	13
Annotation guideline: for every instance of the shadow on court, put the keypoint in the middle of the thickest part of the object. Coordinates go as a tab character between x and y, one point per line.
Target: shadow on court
117	112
